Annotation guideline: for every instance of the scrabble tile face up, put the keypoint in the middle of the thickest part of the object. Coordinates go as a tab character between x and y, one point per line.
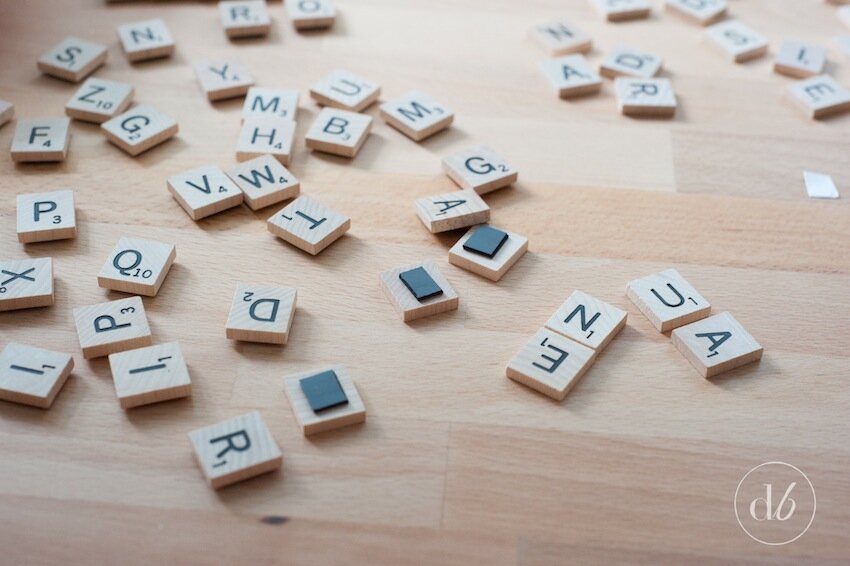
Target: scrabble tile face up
308	225
311	14
150	375
137	266
146	40
98	100
244	18
451	211
264	181
703	12
344	90
645	97
621	10
204	191
625	62
587	320
737	40
223	79
139	129
479	169
72	59
417	115
44	217
800	60
417	291
32	376
716	344
270	103
7	111
235	450
261	313
488	251
26	283
820	96
667	300
571	76
560	37
261	135
339	132
324	400
45	139
113	326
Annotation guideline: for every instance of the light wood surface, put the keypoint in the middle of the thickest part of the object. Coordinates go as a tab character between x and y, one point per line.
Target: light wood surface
456	464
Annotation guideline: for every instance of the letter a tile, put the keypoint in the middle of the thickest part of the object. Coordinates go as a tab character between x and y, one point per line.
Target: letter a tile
451	211
261	313
571	76
716	344
667	300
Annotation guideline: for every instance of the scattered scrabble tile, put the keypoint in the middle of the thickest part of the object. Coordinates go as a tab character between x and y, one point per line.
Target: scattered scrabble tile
72	59
550	364
113	326
308	225
488	252
571	76
344	90
622	10
32	376
150	375
417	115
204	191
7	111
270	103
235	450
479	169
716	344
819	185
139	129
261	313
820	96
737	40
98	100
667	300
137	266
145	40
264	181
324	400
44	217
339	132
417	291
244	18
451	211
223	79
703	12
560	37
626	62
261	135
311	14
43	139
587	320
800	60
26	283
645	97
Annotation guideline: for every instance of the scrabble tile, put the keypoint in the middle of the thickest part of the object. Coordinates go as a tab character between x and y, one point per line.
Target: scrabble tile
7	111
150	375
308	225
451	211
417	115
244	18
72	59
819	185
560	37
417	291
260	135
270	103
261	313
737	40
571	76
622	10
488	252
702	12
716	344
339	132
627	62
587	320
667	300
264	181
324	400
44	217
41	139
820	96
26	283
113	326
344	90
235	450
800	60
98	100
137	266
550	364
139	129
223	79
145	40
32	376
311	14
204	191
645	97
479	169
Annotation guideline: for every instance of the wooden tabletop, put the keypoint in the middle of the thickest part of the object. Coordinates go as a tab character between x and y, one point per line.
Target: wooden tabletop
456	463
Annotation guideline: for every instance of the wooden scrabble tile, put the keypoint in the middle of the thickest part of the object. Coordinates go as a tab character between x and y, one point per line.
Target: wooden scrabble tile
417	291
44	217
139	129
244	18
72	59
150	375
271	103
550	364
560	37
702	12
667	300
204	191
799	60
622	10
344	90
737	40
324	400
261	135
311	14
145	40
7	111
98	100
223	79
339	132
113	326
716	344
587	320
571	76
417	115
645	97
42	139
308	225
627	62
479	169
261	313
137	266
264	181
488	252
820	96
235	450
32	376
26	283
451	211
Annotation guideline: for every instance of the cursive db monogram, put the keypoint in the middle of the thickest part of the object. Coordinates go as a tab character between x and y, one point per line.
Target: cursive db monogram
775	503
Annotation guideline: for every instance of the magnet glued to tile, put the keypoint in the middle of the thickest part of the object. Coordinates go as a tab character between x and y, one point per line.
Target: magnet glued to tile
323	391
486	241
420	284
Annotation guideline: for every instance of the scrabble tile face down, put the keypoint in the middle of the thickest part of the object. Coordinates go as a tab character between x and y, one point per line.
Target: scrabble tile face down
264	181
204	191
137	266
145	40
737	40
42	139
667	300
113	326
451	211
244	18
800	60
645	97
488	252
150	375
308	225
311	14
7	111
324	400
417	291
626	62
339	132
98	100
571	76
139	129
479	169
820	96
72	59
270	103
703	12
235	450
261	313
587	320
716	344
622	10
560	37
223	79
44	217
26	283
417	115
261	135
344	90
32	376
